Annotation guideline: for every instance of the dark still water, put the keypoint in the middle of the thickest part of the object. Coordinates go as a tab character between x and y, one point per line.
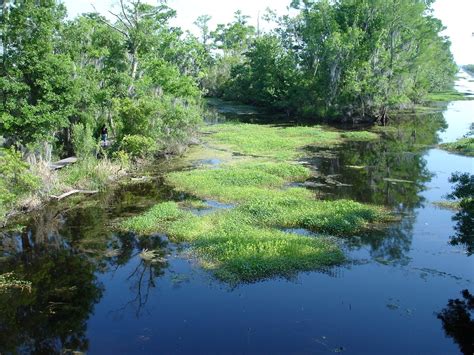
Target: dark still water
407	290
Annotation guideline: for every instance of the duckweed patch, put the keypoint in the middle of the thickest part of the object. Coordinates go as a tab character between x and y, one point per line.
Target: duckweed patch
246	243
236	250
281	143
360	136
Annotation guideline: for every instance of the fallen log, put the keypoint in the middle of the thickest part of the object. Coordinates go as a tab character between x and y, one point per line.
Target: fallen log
72	192
62	163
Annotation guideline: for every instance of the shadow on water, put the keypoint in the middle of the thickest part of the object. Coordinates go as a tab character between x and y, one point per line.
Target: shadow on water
458	321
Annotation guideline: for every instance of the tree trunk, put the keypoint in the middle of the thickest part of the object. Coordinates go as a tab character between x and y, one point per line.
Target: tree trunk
134	71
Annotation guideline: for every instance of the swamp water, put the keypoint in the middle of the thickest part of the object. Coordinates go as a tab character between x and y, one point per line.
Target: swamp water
96	292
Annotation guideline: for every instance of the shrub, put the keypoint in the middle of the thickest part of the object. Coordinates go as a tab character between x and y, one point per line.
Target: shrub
83	141
179	120
122	158
138	146
16	180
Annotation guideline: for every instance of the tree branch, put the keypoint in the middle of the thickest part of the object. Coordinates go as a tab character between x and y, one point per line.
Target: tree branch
124	13
109	25
120	19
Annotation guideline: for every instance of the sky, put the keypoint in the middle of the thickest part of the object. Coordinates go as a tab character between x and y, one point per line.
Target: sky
457	16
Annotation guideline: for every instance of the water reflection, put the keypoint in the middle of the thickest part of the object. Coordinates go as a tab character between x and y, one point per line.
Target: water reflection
464	218
150	255
458	322
390	246
62	251
75	261
54	316
391	171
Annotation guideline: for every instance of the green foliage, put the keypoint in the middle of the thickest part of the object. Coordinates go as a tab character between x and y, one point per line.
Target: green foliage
138	146
347	60
83	141
267	77
122	158
16	179
162	120
463	146
89	174
137	117
167	77
218	77
58	76
180	119
234	38
37	90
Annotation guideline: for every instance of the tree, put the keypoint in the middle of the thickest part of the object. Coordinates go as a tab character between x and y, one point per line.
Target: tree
139	24
37	93
355	59
268	75
202	22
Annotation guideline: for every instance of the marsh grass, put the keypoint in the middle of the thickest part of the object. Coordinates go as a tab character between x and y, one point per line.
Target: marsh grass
246	243
448	205
281	143
464	146
446	96
360	136
238	182
89	174
233	247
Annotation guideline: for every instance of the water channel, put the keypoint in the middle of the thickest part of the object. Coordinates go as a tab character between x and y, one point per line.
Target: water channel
94	294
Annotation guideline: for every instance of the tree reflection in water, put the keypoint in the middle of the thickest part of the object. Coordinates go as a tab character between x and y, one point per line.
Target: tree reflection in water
458	322
62	252
143	276
464	218
391	171
53	317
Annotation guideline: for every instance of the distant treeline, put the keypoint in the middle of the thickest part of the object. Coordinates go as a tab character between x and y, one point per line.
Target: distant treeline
338	60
